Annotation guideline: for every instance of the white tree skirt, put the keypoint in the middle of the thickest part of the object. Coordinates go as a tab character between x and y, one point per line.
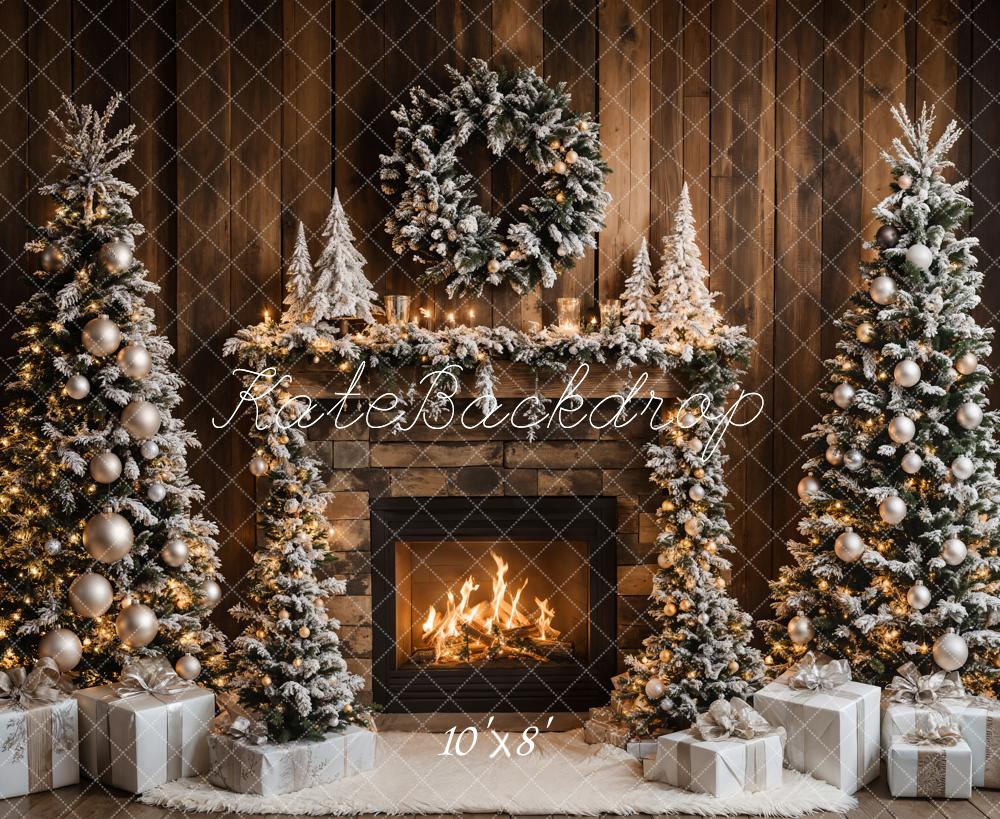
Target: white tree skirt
562	775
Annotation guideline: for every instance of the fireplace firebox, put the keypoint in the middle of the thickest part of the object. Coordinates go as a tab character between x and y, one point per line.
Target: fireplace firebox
493	603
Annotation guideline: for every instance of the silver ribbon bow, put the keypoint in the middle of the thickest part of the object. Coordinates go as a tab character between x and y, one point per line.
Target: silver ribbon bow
236	721
20	688
812	675
731	719
932	728
926	690
150	675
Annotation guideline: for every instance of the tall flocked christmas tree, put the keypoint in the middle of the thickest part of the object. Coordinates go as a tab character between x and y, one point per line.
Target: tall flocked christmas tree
102	557
637	300
701	650
298	280
898	560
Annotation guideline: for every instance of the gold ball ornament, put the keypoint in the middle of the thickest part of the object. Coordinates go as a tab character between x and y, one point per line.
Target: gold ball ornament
583	126
666	655
101	336
52	258
560	197
297	662
77	387
141	420
63	647
115	256
692	526
555	144
686	604
211	592
493	266
663	560
865	332
90	595
105	467
304	632
559	166
134	361
670	609
174	552
188	667
966	363
843	395
137	626
108	537
571	157
265	681
834	455
800	629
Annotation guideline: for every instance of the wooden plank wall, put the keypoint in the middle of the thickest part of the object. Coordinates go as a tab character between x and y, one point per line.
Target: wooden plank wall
248	113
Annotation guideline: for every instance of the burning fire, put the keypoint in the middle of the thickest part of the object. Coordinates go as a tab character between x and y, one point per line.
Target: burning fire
492	628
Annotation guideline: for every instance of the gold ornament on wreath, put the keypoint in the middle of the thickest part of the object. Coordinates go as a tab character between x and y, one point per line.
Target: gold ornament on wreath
437	218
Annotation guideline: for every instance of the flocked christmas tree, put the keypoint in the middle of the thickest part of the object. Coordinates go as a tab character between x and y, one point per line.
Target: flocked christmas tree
898	560
684	311
637	300
102	556
341	291
701	649
298	280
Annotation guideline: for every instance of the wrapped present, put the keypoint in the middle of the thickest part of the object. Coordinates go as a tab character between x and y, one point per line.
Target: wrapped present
149	728
38	731
932	760
604	726
911	695
244	762
832	722
731	749
641	748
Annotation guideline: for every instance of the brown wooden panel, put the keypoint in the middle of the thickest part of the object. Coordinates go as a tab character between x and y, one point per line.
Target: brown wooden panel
666	120
571	57
152	75
697	51
742	247
797	246
624	111
100	53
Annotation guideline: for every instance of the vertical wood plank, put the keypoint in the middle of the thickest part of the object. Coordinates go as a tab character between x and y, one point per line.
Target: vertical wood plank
100	53
798	248
742	248
204	272
518	42
666	122
571	57
697	50
153	73
624	111
307	120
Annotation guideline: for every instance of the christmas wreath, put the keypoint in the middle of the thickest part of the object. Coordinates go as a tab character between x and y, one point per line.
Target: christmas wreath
438	218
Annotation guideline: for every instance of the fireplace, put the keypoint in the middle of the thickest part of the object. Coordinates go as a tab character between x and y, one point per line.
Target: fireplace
493	603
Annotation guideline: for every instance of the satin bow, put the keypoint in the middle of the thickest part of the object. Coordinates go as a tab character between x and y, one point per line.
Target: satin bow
236	722
934	729
734	718
20	688
926	690
149	675
811	675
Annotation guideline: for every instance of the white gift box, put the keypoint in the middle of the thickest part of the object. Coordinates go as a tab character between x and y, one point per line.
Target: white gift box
832	733
717	767
270	769
38	748
142	740
931	771
641	748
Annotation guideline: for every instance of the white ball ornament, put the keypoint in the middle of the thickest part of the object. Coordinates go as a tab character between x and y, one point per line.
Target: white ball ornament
105	467
702	618
882	290
137	626
966	363
63	647
905	181
77	387
90	594
141	420
834	456
843	395
156	491
800	629
854	460
101	336
692	526
53	546
134	361
258	466
954	551
918	596
108	537
950	651
920	256
696	492
116	256
807	487
963	467
655	688
149	450
849	546
907	373
902	429
188	667
892	510
174	552
969	415
211	593
911	463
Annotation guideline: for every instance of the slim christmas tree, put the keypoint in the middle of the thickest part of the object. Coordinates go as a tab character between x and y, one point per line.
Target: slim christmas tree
685	314
898	560
102	557
638	296
298	280
341	291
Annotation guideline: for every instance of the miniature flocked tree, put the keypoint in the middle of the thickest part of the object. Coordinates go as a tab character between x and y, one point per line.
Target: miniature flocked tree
298	281
684	314
898	560
637	300
102	555
341	290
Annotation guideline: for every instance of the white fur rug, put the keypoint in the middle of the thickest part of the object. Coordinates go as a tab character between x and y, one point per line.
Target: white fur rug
562	775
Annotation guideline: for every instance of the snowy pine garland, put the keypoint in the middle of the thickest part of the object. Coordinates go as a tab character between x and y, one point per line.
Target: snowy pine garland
438	218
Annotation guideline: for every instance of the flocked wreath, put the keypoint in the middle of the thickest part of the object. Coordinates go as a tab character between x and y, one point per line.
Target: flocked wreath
438	218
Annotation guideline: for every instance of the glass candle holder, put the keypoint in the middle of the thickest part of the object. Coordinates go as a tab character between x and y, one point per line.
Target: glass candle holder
611	313
568	314
397	309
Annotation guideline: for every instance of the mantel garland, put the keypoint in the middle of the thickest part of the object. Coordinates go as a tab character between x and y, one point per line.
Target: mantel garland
438	218
713	368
